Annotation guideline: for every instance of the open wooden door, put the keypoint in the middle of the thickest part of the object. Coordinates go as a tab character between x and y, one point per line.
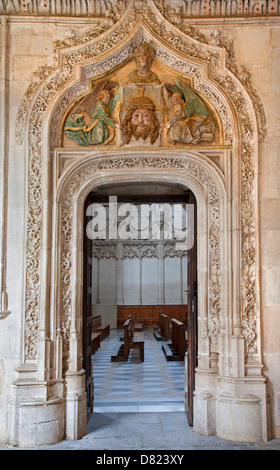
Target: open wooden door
192	318
87	311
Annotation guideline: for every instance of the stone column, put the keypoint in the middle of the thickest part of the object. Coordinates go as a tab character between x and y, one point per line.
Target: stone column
4	135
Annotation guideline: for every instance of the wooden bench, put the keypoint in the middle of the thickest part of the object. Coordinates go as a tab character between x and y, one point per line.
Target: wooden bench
118	353
95	342
136	325
97	327
175	350
131	340
162	332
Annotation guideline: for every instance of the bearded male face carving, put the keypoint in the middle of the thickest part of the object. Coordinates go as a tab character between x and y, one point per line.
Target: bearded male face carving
140	121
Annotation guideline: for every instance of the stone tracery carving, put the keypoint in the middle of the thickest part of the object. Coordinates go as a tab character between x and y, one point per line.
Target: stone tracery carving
46	86
135	249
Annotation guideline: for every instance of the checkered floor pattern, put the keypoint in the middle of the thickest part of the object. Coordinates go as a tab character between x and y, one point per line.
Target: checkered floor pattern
134	386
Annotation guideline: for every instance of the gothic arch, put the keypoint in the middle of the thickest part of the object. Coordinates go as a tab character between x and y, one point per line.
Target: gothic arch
188	168
58	181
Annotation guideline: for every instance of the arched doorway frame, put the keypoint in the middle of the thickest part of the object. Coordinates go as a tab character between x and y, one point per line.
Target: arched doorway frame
238	336
189	169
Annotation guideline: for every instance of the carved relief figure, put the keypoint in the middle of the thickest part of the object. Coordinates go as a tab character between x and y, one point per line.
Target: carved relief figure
189	121
143	56
140	120
151	111
99	104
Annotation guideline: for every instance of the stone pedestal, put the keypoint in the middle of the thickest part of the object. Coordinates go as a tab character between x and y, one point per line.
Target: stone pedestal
76	409
33	421
236	409
39	413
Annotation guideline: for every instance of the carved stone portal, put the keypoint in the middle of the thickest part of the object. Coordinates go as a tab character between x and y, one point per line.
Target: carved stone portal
177	109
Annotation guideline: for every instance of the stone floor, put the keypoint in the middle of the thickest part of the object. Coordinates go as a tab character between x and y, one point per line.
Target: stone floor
139	406
153	385
150	431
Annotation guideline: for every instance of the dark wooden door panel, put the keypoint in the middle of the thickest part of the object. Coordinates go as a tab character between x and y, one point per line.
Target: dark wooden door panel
87	312
192	319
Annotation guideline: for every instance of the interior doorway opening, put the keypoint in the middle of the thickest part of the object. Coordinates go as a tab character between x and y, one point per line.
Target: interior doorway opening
139	269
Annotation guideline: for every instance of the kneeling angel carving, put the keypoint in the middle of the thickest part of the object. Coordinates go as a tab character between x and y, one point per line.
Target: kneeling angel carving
189	121
99	104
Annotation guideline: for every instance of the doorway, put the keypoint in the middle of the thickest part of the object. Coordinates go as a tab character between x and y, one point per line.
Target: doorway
146	300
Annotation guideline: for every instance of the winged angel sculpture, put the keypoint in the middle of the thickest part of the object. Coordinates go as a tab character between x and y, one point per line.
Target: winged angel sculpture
189	121
98	106
185	117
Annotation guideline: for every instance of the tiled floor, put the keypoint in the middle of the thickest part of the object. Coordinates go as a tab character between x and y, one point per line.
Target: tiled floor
134	386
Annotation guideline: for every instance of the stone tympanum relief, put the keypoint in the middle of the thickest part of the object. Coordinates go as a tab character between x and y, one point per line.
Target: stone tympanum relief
142	105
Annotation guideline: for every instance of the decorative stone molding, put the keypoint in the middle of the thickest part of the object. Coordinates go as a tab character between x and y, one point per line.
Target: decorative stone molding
215	8
114	8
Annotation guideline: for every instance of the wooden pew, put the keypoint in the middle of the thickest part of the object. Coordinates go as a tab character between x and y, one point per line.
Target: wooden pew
118	353
175	350
162	332
131	340
95	342
95	338
98	327
137	326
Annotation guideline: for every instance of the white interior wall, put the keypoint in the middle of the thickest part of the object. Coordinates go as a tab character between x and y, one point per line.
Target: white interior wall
135	281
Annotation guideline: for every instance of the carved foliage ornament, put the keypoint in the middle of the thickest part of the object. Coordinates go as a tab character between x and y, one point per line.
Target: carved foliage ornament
49	82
